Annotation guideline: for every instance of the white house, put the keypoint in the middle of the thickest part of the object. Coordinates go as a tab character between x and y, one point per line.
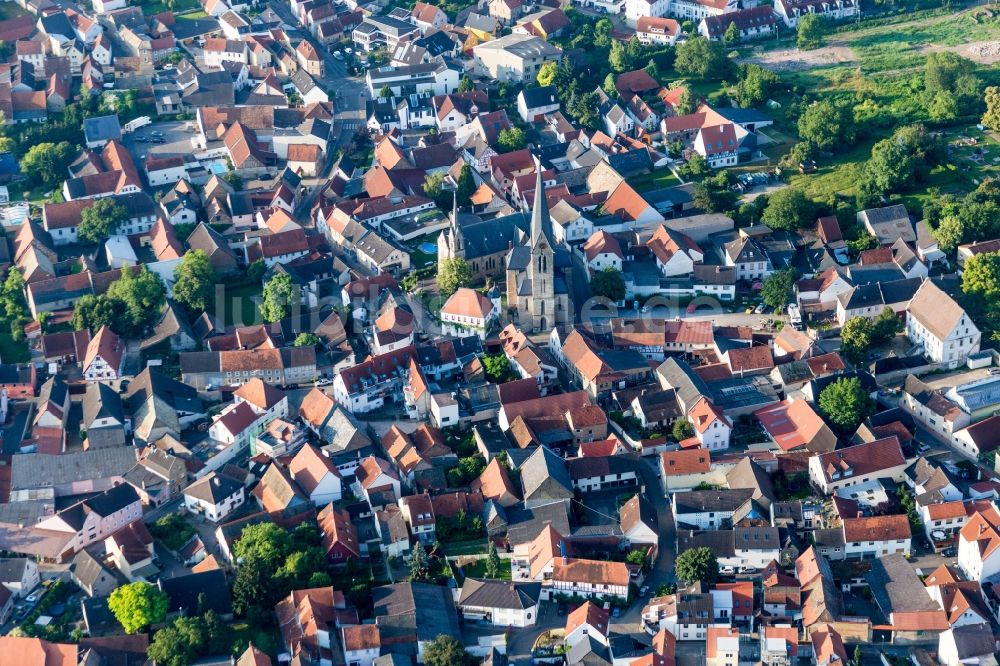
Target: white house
105	357
469	310
708	509
935	321
214	497
590	578
98	517
535	102
676	254
235	426
979	546
500	603
878	460
968	645
711	425
317	475
19	575
603	251
362	644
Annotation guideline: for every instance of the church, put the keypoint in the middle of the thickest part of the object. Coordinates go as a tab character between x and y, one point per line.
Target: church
538	272
536	291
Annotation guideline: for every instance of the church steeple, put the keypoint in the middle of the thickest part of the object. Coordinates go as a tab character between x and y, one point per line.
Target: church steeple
456	230
541	225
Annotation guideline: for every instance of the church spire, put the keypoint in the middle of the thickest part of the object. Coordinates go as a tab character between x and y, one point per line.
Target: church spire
540	222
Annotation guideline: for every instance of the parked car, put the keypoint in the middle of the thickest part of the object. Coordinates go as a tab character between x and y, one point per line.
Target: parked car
617	612
338	55
644	591
324	381
949	551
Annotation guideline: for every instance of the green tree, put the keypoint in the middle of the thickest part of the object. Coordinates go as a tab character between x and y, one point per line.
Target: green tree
465	187
846	404
195	280
682	430
92	312
138	605
732	35
700	58
492	562
826	125
256	270
306	340
280	294
586	108
454	273
466	85
385	92
946	71
637	557
434	188
981	275
858	659
608	283
511	139
991	118
779	288
697	564
755	84
101	219
179	643
687	103
886	326
445	651
420	568
618	58
943	107
46	163
696	166
263	542
609	85
547	73
856	338
497	367
812	31
788	208
142	295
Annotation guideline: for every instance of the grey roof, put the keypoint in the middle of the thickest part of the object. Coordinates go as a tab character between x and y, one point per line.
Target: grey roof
186	591
375	247
748	474
679	376
172	323
101	402
588	651
897	588
499	594
39	470
12	569
541	96
87	569
433	605
720	501
102	128
213	488
974	640
53	390
342	434
523	525
544	476
521	46
719	541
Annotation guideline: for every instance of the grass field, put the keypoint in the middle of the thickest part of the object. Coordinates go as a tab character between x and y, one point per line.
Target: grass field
10	10
477	569
10	351
654	181
150	8
241	304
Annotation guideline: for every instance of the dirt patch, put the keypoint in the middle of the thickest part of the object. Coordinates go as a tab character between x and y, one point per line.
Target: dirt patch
986	53
792	60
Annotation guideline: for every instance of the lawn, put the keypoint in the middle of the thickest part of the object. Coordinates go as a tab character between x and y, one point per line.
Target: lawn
242	634
10	10
241	304
655	180
10	351
477	569
471	547
150	8
197	14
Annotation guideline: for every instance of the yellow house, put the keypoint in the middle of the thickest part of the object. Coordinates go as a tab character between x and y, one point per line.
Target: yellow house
483	27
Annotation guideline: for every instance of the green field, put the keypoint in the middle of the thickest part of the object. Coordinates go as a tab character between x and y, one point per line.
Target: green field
242	302
477	569
150	8
653	181
10	10
10	351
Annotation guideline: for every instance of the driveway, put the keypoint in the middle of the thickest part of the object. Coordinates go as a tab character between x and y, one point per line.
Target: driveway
521	640
176	140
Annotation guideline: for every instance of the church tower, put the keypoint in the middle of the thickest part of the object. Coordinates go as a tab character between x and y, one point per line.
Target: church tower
451	243
541	267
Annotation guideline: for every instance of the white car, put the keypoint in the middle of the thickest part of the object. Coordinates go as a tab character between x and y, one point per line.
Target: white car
338	55
324	381
349	51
